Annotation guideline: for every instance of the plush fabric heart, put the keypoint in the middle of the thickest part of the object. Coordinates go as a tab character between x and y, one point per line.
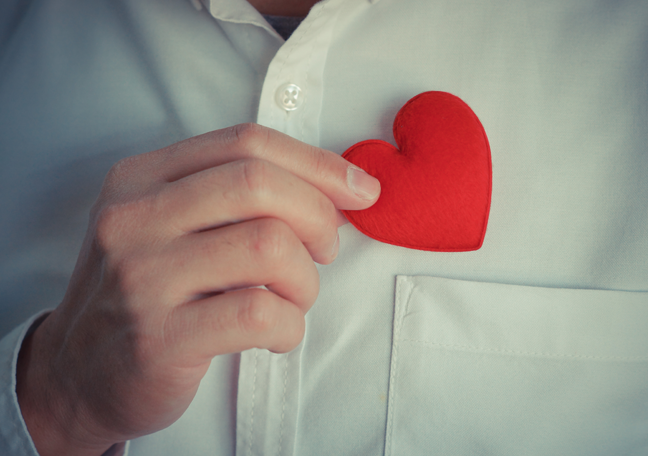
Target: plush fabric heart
436	188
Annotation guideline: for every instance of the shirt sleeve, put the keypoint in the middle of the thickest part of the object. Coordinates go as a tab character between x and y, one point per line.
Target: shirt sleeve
14	437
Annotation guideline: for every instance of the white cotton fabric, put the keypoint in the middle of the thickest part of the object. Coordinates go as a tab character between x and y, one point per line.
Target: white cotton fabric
14	438
532	345
494	354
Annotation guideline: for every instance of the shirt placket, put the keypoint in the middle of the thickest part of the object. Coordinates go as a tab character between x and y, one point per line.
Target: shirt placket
291	98
290	102
267	403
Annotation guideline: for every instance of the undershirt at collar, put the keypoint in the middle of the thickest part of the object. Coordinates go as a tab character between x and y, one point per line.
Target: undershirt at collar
284	25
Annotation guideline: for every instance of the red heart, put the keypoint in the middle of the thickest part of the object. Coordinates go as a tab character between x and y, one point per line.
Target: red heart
436	189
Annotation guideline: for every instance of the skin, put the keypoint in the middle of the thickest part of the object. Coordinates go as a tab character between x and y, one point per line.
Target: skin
296	8
167	278
162	284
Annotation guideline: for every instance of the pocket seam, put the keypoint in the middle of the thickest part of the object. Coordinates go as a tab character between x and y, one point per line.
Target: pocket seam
403	292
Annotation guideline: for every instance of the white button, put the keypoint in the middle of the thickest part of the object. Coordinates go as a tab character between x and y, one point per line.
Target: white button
289	97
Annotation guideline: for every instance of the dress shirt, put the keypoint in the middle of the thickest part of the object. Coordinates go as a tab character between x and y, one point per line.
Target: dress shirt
535	344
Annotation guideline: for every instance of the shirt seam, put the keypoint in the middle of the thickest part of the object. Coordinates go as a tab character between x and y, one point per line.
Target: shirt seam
400	310
254	381
283	407
308	72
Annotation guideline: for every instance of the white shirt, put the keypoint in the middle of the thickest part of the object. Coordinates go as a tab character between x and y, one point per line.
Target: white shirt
535	344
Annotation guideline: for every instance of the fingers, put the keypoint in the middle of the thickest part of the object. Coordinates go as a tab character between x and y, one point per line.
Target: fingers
347	186
340	218
249	189
254	253
234	322
198	224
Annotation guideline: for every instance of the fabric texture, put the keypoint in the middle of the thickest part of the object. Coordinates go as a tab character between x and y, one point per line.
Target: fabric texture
582	338
560	90
435	190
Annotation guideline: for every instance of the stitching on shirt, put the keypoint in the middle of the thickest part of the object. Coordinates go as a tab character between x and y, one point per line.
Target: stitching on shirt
292	48
391	402
254	379
303	113
283	407
308	72
248	42
533	354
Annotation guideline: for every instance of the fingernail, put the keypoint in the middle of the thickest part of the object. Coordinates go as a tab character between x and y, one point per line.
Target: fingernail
362	184
336	246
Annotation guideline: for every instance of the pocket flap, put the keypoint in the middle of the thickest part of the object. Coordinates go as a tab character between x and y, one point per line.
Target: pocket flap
522	320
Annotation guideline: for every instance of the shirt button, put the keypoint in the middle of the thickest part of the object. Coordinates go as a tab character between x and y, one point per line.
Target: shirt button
289	97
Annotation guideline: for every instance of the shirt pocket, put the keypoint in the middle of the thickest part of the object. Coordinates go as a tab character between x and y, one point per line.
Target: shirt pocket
493	369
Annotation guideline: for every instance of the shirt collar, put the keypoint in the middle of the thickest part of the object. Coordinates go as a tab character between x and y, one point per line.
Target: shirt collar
239	11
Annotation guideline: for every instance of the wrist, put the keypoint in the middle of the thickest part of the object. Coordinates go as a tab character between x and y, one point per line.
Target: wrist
42	407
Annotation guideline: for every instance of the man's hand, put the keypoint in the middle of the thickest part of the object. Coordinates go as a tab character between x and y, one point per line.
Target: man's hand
179	241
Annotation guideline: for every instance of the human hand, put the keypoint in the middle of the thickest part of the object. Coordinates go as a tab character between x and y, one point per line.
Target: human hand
177	241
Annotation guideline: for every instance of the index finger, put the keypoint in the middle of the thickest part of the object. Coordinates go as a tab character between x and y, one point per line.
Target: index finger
345	184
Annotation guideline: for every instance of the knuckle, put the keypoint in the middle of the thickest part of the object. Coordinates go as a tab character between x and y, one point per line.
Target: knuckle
250	137
257	314
271	240
121	170
275	324
255	176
